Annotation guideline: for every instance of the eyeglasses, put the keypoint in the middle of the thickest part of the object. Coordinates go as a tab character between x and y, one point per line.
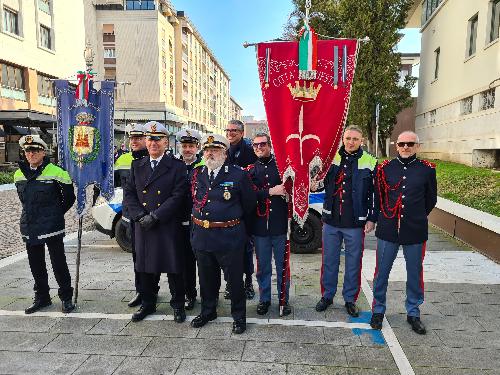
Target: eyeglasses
352	139
259	144
232	130
403	144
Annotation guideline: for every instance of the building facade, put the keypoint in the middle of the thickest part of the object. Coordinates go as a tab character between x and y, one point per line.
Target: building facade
164	69
457	116
235	110
35	37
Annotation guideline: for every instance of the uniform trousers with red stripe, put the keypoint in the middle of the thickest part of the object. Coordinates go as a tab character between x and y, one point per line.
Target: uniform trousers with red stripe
353	239
414	258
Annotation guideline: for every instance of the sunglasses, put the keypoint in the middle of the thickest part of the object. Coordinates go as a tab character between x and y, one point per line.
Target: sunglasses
232	130
259	144
403	144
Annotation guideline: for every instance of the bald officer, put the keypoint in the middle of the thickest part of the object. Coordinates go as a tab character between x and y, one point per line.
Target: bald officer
46	194
223	199
155	195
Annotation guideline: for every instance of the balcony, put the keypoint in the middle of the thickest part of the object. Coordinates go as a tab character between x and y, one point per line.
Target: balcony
49	101
12	93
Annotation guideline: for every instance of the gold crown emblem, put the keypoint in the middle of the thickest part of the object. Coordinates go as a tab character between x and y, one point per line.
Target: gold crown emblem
132	126
210	139
304	93
153	128
84	118
28	139
188	133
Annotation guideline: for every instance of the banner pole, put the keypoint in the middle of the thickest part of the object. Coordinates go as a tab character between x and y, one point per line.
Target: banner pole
78	252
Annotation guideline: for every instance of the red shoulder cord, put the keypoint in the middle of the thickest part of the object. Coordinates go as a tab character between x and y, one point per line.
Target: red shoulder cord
197	204
340	189
383	190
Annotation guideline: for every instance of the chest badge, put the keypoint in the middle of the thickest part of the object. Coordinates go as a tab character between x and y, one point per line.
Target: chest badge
227	195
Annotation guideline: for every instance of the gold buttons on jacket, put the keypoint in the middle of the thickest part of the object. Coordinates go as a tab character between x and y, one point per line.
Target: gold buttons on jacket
158	205
144	192
144	204
159	192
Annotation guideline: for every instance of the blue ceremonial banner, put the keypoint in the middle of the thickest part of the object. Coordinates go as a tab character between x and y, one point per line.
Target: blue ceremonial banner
86	138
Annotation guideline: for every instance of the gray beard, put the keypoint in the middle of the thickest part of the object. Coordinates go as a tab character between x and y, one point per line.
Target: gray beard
214	164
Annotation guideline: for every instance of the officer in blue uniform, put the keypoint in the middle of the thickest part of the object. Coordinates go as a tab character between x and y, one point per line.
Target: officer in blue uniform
348	213
270	223
137	136
406	193
240	153
223	202
155	195
189	141
46	194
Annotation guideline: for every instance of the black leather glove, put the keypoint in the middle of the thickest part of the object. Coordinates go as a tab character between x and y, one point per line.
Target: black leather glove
147	222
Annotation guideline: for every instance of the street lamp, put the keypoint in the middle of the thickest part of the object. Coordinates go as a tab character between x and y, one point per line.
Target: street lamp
88	55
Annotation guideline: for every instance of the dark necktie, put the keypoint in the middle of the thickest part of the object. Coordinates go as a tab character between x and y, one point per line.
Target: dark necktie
211	178
154	163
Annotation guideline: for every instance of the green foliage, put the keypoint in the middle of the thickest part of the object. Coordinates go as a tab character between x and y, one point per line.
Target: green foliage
377	72
6	177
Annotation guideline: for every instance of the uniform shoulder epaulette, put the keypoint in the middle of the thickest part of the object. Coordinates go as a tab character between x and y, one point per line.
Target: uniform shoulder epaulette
428	163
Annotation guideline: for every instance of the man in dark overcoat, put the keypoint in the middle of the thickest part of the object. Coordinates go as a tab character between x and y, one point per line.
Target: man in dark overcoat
155	195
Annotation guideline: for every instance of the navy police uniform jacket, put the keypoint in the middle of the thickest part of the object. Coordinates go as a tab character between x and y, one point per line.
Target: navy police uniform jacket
349	192
241	154
271	216
211	203
162	192
404	206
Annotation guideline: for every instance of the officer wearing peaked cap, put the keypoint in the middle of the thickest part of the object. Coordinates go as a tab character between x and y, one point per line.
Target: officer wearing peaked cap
405	193
223	202
189	141
46	194
155	195
137	140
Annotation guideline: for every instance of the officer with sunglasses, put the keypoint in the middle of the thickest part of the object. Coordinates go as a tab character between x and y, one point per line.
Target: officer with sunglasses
405	193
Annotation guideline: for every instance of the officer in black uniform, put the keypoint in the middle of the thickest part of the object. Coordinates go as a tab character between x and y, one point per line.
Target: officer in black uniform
406	193
270	223
223	202
240	153
155	195
137	136
189	141
46	194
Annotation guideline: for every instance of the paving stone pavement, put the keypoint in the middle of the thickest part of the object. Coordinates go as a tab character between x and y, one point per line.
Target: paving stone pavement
463	321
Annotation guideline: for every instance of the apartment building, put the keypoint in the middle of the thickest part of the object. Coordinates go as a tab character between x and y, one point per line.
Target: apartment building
164	69
235	109
39	40
457	116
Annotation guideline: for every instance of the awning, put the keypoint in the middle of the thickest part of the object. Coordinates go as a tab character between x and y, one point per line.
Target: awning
27	118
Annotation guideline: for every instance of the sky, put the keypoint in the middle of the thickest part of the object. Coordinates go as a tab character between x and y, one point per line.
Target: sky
227	24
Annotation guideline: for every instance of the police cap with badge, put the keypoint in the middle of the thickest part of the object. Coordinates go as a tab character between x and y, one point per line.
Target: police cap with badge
32	142
155	130
135	130
214	140
188	136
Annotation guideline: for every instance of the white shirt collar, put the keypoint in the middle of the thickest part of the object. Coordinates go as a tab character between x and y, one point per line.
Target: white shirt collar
216	171
158	159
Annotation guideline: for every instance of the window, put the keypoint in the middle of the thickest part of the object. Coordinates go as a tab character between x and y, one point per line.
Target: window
110	74
495	20
45	86
487	99
437	52
428	8
140	5
45	37
109	53
12	77
466	106
472	35
44	6
10	21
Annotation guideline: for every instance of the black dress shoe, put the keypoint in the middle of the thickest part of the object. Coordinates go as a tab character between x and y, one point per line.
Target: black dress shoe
263	307
179	315
323	304
190	302
416	324
38	303
201	320
136	301
144	311
376	321
250	293
352	309
227	292
287	310
67	306
239	326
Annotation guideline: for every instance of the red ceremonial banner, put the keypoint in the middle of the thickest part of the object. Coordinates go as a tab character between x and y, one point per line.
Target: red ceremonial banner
306	117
